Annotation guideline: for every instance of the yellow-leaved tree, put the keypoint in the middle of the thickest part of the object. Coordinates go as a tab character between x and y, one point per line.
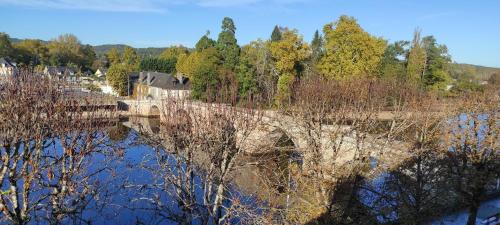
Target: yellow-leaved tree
349	50
288	54
417	59
186	64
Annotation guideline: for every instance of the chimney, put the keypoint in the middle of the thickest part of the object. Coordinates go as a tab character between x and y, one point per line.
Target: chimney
149	79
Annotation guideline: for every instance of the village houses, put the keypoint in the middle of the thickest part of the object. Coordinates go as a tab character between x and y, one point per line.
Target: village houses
7	67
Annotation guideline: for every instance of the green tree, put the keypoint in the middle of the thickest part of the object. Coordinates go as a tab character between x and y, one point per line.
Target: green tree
32	52
246	72
113	56
205	42
316	47
164	65
227	44
289	54
131	58
254	72
276	34
349	50
117	77
64	50
6	49
417	59
436	76
205	75
88	56
174	52
67	50
393	64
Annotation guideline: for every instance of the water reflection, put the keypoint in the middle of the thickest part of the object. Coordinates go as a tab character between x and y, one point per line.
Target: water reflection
158	185
136	175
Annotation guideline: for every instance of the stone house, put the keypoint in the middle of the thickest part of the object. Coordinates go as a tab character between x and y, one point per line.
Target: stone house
156	86
7	67
61	72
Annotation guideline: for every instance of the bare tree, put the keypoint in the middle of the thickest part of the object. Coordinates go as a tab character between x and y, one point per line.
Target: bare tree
415	189
197	149
471	147
354	130
46	142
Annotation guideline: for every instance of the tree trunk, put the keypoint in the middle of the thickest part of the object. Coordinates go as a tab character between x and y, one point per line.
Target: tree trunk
473	214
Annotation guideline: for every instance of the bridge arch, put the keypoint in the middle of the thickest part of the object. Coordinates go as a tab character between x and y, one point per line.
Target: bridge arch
270	139
154	111
285	145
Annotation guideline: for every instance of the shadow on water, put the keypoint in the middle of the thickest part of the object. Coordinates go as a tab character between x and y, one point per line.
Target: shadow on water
135	190
138	181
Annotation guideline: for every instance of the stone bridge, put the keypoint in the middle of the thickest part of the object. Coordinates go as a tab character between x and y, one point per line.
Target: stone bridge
334	144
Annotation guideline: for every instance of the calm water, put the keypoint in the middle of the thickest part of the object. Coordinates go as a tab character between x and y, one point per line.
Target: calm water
131	188
132	185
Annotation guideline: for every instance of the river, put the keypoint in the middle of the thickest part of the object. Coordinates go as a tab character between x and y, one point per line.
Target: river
134	178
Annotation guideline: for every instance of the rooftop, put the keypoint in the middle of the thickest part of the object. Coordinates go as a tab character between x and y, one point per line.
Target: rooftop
164	81
7	62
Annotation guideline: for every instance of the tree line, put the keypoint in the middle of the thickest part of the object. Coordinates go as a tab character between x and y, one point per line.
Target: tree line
269	70
65	50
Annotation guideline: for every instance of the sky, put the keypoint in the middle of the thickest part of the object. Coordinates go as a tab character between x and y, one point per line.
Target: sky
470	29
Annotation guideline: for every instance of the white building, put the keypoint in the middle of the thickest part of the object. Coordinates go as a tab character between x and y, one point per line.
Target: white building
101	72
154	86
7	67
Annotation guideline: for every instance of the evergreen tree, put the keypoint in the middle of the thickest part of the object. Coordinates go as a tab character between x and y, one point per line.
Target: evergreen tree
158	65
393	64
227	44
246	72
276	35
316	47
436	76
205	74
205	42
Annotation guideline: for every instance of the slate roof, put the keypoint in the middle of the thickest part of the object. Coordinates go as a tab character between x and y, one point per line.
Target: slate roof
87	73
7	62
59	70
164	81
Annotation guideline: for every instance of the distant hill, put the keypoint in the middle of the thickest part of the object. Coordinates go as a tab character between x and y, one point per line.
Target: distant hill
17	40
100	50
480	72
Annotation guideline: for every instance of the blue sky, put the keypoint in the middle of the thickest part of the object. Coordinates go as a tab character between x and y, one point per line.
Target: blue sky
470	29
